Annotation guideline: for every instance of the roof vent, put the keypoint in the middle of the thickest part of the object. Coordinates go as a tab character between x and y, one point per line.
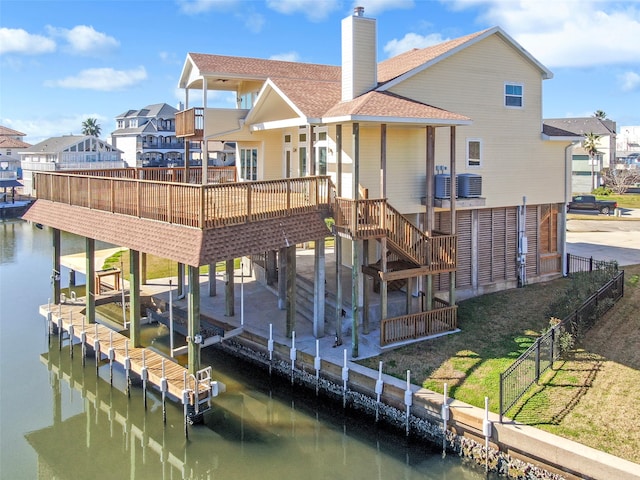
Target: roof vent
358	11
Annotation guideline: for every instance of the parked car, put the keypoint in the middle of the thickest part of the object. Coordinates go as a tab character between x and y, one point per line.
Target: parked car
589	202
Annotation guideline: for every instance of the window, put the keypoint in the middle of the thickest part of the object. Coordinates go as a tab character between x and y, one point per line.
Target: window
302	154
474	152
249	163
513	95
321	145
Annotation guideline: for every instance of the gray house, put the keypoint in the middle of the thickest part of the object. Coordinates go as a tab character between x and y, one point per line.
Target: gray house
581	165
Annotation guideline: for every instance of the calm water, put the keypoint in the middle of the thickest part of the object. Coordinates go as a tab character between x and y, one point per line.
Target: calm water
58	419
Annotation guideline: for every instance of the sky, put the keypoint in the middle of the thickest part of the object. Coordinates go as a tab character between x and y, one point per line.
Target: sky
62	62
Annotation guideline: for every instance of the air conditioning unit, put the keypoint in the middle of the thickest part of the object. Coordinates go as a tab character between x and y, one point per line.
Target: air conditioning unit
469	185
443	185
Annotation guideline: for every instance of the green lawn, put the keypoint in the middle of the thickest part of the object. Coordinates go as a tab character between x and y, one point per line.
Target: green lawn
591	396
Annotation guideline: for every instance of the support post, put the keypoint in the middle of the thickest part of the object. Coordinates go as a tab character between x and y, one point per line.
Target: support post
91	280
452	169
193	328
229	296
291	290
55	274
318	289
134	298
212	280
282	278
338	242
181	286
355	264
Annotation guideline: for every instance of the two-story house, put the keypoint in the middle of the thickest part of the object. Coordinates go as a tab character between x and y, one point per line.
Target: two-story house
11	142
469	109
147	137
69	152
433	165
586	172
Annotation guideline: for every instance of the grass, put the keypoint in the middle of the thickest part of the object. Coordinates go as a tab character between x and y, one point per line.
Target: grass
628	200
590	397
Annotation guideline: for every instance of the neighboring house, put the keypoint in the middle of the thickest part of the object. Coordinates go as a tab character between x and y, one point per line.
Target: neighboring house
69	152
583	169
11	142
147	137
472	105
628	144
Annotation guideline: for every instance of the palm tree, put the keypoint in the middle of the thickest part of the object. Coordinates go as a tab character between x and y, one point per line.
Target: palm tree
590	144
90	127
600	115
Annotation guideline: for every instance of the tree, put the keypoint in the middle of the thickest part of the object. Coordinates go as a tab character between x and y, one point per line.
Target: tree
590	144
599	114
620	180
90	127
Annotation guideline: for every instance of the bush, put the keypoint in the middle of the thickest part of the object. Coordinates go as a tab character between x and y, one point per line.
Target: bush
603	191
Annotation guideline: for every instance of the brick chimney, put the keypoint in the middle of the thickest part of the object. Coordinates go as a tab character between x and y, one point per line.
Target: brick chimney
359	62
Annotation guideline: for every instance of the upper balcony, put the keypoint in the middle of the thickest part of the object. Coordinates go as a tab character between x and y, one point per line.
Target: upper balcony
190	123
198	123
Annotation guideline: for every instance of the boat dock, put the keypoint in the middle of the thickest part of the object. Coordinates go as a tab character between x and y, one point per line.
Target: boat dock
169	377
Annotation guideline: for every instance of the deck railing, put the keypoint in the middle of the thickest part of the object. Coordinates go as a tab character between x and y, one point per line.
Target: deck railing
164	174
418	325
201	206
375	218
190	123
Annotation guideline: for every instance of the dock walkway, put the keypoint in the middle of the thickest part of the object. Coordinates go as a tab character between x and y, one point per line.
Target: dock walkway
164	373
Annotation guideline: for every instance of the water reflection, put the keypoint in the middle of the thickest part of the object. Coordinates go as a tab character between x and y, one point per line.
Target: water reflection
59	420
248	434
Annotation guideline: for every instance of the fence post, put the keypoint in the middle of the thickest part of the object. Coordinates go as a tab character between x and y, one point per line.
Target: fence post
537	360
553	345
568	266
501	394
590	264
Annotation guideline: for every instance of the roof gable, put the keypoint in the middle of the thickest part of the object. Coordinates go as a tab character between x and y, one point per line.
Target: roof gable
6	131
403	66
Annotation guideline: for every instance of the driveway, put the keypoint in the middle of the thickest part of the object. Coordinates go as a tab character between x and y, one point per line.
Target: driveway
607	239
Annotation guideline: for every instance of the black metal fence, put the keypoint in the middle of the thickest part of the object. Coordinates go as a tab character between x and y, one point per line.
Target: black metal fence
526	370
582	264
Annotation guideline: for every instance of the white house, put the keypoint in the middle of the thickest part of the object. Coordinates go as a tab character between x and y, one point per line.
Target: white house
69	152
11	142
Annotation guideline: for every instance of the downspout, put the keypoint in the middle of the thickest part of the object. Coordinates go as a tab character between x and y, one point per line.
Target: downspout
563	214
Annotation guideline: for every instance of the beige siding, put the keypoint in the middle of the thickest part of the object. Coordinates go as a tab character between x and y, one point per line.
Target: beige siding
515	161
358	56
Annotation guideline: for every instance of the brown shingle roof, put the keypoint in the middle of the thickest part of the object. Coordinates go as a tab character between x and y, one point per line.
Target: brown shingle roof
11	132
261	68
386	104
10	142
312	97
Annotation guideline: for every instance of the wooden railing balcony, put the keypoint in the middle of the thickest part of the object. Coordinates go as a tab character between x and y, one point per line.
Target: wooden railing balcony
165	174
190	123
375	218
192	205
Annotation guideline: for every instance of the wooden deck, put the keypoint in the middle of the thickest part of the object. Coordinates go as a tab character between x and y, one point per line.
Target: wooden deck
115	346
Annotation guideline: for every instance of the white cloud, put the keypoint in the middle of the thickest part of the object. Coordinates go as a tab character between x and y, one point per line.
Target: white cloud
103	79
566	33
629	81
253	21
411	41
287	57
314	10
17	40
39	129
194	7
85	40
375	7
